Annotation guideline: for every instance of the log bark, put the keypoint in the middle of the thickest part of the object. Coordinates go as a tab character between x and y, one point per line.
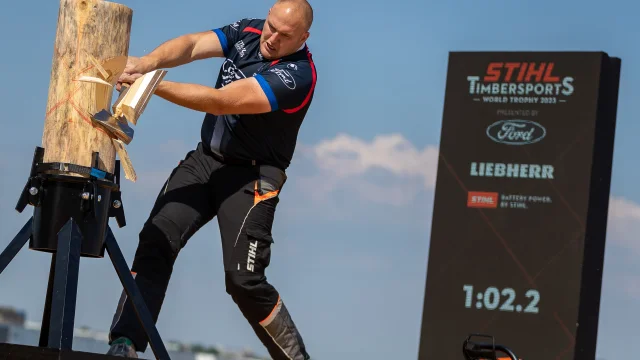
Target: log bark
92	39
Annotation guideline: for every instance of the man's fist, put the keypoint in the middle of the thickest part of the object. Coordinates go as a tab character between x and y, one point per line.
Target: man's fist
135	68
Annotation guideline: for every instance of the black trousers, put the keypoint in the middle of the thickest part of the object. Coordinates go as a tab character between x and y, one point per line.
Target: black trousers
244	199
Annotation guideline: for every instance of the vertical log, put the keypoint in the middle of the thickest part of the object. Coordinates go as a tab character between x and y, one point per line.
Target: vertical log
92	39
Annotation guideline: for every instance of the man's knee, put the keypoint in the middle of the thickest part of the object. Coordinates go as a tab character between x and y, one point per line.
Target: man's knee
153	237
252	293
243	286
168	233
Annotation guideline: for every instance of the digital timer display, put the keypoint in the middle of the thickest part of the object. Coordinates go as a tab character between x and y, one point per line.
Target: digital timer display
521	201
493	298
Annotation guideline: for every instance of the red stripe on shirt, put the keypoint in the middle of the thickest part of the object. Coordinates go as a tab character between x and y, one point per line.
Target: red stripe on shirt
252	29
313	85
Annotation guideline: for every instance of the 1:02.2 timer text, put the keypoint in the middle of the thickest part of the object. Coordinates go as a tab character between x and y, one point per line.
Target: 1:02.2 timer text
502	300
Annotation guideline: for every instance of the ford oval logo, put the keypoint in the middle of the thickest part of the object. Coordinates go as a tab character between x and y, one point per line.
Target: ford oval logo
516	132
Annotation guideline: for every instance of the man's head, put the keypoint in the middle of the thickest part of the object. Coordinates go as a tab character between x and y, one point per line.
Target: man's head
286	28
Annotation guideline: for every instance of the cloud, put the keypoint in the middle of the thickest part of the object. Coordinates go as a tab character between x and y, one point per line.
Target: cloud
389	169
623	209
624	223
345	155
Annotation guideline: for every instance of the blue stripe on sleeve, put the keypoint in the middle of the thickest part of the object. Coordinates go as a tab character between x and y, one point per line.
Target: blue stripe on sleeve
223	41
268	91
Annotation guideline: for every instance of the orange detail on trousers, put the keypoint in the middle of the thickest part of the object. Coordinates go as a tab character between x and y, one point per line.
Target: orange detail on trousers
274	312
257	197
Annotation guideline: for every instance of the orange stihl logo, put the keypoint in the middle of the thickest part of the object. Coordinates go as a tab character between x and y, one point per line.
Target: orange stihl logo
521	72
482	199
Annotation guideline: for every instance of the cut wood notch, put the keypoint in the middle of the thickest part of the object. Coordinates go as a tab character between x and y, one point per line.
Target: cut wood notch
127	108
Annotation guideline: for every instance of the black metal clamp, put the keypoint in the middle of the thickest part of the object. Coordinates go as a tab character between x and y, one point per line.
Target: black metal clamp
485	350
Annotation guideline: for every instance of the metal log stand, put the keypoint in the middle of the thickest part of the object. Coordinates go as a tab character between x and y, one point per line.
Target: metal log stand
70	220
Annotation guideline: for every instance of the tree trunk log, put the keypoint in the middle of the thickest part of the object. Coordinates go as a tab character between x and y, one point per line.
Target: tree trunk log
90	34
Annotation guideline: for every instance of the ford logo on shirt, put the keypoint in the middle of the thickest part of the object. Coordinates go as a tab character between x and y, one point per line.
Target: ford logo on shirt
516	132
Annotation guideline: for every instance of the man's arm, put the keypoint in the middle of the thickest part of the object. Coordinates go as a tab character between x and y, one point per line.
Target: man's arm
244	96
183	50
284	86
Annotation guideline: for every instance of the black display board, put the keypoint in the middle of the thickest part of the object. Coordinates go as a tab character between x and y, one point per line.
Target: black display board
521	200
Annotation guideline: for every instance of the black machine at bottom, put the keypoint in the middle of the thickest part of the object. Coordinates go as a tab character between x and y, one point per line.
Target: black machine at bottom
70	220
485	350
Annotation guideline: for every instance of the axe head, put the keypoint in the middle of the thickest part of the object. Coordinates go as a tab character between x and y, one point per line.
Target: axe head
117	127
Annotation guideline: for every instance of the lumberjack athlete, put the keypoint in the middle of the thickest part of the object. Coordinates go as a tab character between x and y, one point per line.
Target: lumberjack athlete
236	172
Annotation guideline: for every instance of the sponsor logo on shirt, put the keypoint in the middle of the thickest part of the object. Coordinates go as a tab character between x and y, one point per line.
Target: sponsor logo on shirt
241	49
230	72
285	76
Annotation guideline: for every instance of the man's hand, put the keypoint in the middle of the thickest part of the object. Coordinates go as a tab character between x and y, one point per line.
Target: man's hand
135	68
175	52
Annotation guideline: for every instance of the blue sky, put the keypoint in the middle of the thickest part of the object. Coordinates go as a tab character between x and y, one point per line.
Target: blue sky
349	260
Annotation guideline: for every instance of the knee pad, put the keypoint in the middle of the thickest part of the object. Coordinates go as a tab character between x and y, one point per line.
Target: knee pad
166	234
254	296
153	238
242	285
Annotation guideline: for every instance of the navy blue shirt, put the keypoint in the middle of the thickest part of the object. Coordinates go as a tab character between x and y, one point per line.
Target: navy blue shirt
289	83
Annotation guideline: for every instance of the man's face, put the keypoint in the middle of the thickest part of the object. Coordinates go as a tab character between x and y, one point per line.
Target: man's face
283	32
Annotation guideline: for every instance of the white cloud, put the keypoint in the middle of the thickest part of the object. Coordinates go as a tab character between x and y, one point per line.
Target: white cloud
388	169
624	224
345	155
621	208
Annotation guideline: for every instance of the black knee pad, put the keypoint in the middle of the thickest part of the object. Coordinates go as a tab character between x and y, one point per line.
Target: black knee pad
243	285
252	293
155	240
164	234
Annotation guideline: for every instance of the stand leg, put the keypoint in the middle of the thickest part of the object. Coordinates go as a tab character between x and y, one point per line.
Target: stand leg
130	287
65	287
46	313
15	245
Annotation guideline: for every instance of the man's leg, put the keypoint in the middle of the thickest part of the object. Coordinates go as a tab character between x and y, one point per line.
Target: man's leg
185	204
245	217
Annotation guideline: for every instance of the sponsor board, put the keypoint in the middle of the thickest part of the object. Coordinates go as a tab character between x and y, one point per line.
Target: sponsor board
519	135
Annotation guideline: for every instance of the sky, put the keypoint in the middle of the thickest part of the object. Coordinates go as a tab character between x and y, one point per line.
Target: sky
349	259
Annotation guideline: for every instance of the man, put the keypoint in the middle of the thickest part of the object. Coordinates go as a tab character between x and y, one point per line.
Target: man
236	172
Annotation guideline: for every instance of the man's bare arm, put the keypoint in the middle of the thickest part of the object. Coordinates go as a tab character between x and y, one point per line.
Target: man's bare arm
184	49
243	96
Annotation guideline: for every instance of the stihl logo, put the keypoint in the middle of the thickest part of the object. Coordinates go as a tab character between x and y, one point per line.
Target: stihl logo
521	82
478	199
521	72
253	247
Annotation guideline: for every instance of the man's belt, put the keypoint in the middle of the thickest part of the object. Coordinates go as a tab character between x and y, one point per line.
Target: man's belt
231	161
